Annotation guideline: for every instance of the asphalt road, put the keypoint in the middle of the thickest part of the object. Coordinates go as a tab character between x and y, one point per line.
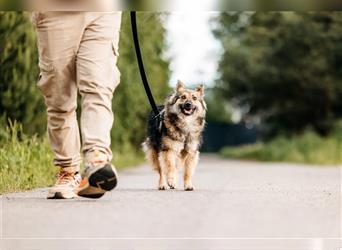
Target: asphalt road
236	205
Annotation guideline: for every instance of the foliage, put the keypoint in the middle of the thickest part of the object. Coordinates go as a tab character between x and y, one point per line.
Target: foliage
21	100
19	97
307	148
283	67
219	110
26	160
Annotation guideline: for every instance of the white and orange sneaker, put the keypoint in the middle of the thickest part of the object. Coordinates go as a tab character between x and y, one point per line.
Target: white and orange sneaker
66	185
99	176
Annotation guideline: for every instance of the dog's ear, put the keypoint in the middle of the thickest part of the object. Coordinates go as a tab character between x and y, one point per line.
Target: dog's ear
180	86
200	89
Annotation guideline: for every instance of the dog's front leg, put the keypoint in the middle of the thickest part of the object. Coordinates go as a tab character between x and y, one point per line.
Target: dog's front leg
168	164
162	181
191	161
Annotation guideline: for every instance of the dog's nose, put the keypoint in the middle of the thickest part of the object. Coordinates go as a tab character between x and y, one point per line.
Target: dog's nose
188	105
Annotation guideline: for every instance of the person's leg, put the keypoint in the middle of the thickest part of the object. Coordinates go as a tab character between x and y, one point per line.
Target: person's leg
97	77
58	36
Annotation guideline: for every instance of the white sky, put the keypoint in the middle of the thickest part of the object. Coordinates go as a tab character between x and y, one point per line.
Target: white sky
193	50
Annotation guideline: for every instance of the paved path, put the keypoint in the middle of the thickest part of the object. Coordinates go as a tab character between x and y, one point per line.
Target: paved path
237	205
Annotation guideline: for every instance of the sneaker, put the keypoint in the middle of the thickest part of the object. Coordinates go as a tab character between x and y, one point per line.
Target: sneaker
99	177
66	185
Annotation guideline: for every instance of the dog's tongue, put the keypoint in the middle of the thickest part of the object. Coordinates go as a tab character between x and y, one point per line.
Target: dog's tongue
187	110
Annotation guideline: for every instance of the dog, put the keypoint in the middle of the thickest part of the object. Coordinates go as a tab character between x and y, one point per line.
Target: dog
175	136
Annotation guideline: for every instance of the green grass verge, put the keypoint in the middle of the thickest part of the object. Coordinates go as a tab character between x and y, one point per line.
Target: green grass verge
308	148
26	162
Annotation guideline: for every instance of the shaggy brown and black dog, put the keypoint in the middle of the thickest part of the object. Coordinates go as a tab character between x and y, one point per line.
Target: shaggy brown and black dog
174	138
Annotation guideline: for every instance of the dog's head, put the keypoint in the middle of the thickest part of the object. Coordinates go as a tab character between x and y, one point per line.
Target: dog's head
187	101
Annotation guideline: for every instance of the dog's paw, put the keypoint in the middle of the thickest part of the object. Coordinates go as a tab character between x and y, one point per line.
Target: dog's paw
172	183
189	187
162	187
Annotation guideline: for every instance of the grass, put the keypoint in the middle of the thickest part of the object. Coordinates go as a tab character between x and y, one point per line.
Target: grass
309	148
26	162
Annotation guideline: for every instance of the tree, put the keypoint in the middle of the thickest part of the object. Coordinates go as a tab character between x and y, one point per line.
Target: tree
285	67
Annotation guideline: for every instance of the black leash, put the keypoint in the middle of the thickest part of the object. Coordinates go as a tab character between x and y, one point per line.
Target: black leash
141	64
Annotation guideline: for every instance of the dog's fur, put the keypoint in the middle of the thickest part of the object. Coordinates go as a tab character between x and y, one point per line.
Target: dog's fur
174	138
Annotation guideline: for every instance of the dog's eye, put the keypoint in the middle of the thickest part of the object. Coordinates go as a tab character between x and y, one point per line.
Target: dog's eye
194	98
183	97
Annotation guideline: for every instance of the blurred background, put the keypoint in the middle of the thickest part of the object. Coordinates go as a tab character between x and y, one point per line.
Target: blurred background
273	87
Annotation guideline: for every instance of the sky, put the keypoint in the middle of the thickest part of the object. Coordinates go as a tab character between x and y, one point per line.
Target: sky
193	50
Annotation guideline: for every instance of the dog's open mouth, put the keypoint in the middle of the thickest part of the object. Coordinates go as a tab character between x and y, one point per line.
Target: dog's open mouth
188	110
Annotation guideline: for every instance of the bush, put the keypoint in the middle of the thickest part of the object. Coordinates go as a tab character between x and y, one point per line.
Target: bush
306	148
19	97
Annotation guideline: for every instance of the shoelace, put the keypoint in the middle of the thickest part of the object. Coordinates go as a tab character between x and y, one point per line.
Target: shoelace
65	177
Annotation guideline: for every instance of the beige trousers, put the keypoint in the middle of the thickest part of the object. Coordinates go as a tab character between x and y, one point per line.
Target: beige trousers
78	52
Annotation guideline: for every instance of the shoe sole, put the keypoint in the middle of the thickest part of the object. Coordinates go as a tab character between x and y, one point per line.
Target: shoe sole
61	195
98	183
